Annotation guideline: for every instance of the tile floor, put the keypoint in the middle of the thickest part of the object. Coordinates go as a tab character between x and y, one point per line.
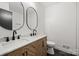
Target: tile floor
60	53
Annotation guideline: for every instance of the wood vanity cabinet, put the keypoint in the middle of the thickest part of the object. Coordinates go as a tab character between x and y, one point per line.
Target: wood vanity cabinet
36	48
18	52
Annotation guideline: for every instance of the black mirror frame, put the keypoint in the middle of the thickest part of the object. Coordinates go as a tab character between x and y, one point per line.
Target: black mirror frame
27	18
23	17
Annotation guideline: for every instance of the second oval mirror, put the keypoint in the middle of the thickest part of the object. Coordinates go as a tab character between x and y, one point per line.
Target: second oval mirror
18	16
31	18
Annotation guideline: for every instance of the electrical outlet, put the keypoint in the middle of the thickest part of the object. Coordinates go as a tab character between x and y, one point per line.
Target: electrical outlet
65	46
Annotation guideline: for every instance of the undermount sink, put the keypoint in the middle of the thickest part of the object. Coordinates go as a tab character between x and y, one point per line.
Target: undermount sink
26	38
11	43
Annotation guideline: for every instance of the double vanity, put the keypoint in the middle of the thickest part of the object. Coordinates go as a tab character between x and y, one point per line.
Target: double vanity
25	46
32	45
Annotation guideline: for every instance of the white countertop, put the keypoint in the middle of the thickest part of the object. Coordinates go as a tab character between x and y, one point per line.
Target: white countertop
13	45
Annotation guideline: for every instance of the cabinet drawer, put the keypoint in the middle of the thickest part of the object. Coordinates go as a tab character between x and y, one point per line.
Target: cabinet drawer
30	53
35	48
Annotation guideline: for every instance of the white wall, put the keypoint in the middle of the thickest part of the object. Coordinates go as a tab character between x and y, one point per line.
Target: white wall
4	32
41	18
78	27
60	26
4	5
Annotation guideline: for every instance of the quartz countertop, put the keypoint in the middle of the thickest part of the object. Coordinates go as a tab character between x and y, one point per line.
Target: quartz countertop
18	43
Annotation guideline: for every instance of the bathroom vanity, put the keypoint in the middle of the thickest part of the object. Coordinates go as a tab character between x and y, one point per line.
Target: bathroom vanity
28	46
32	45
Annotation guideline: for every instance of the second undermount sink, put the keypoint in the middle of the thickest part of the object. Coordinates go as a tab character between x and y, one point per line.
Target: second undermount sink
31	38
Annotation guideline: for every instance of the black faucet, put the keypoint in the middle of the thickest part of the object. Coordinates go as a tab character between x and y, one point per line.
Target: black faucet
14	32
34	32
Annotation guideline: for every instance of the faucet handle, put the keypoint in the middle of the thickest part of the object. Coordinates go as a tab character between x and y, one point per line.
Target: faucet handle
18	37
34	32
7	39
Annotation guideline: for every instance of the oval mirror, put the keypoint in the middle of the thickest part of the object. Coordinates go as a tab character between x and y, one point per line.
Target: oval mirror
31	18
17	10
